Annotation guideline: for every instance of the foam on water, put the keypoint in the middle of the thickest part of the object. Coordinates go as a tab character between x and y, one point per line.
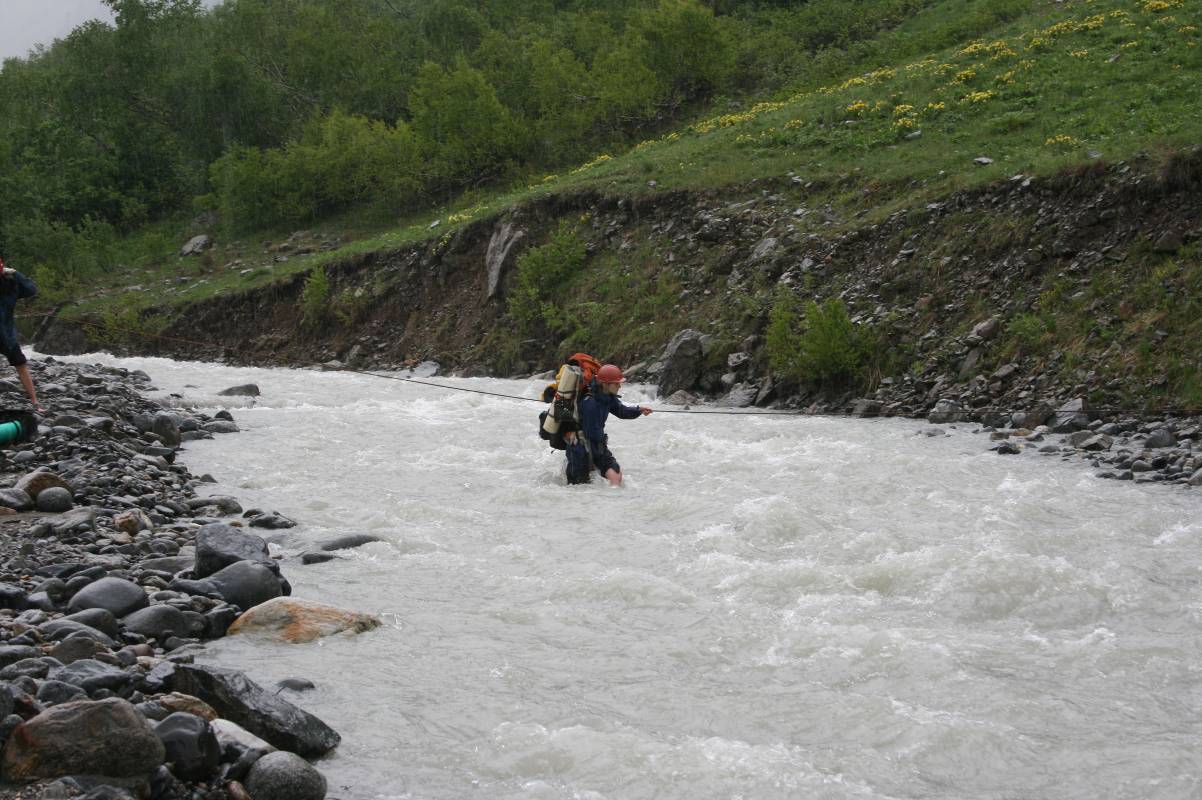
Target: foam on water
773	607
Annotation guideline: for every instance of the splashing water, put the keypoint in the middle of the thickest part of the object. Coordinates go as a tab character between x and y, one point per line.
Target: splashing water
772	607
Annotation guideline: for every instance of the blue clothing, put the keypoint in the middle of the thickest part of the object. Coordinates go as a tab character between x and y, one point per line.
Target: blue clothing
595	408
13	287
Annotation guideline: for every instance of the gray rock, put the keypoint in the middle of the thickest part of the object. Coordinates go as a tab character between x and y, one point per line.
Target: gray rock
196	245
55	500
349	541
16	499
497	257
220	426
106	737
157	620
172	564
53	693
227	505
91	675
219	545
166	428
285	776
988	329
272	522
61	629
190	746
741	396
244	584
81	519
1196	478
946	411
1161	437
12	653
680	362
118	597
1036	416
1098	442
317	558
98	618
866	407
242	390
266	715
77	648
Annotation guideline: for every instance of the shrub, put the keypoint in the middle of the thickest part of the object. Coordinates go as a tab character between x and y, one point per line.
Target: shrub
818	346
315	298
542	272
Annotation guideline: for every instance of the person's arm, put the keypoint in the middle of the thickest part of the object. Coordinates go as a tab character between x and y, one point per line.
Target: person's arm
623	411
25	287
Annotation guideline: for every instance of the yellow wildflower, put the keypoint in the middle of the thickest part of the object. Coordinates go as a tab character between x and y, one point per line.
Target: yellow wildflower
902	110
964	76
976	97
1079	53
858	107
1061	139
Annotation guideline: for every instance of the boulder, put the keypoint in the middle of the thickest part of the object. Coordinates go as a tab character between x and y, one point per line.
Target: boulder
741	396
115	595
500	246
190	746
219	545
105	737
242	390
77	648
220	426
680	363
1070	417
16	499
155	621
97	618
175	701
268	716
349	541
1161	437
285	776
91	675
196	245
55	500
53	693
987	330
292	620
272	522
244	584
61	629
1036	416
946	411
12	653
35	483
166	428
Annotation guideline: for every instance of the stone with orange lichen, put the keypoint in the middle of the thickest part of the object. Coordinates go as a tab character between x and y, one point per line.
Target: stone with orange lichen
296	621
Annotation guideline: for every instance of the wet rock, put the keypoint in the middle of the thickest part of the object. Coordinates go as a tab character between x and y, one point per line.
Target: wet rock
284	776
104	737
241	390
317	558
11	654
157	620
296	684
244	584
292	620
54	500
865	407
91	675
165	426
77	648
220	426
190	746
97	618
741	396
118	597
219	545
272	521
1097	442
1196	478
349	541
177	701
239	699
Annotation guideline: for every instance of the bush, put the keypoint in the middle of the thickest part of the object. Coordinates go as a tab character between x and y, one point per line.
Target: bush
543	272
819	346
315	298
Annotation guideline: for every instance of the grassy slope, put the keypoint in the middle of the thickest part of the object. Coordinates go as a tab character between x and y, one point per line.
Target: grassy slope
1063	83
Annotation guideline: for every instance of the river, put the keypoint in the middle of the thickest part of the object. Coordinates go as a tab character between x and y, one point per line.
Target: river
772	607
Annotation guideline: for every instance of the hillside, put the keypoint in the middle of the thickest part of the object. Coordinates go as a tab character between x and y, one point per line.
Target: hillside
1038	171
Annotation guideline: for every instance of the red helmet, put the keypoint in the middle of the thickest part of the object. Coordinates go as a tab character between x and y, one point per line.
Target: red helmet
609	374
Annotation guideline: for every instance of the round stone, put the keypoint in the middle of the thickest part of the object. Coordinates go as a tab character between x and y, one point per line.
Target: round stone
55	500
285	776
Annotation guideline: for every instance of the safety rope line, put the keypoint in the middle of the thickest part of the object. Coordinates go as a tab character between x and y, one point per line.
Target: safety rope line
882	413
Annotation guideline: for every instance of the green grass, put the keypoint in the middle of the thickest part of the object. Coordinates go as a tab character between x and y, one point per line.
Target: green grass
1034	85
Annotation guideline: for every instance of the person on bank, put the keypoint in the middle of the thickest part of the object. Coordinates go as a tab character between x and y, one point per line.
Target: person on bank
13	287
595	407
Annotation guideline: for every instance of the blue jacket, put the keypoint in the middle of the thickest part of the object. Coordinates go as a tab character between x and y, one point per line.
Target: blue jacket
13	287
595	408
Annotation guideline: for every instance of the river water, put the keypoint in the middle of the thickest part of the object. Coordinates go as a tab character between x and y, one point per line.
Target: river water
772	607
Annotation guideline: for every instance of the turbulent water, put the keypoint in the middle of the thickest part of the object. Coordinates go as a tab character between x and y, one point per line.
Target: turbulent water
772	607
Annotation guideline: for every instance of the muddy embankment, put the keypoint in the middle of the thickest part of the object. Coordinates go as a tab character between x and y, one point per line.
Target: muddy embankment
1012	297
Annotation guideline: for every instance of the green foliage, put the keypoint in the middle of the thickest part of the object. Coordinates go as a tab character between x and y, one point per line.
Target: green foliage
534	300
315	298
819	345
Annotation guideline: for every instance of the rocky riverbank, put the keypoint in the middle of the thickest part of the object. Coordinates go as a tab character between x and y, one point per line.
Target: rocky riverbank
115	567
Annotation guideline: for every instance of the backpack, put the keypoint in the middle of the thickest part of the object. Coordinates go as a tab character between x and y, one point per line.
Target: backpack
563	408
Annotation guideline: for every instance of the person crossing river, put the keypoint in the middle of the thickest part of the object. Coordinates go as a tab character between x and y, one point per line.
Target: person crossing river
582	397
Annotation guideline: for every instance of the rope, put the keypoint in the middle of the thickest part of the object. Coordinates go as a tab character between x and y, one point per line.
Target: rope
970	413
